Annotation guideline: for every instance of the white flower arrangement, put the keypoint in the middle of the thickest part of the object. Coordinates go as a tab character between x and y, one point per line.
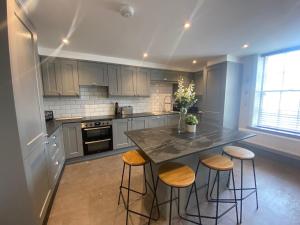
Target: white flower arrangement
185	97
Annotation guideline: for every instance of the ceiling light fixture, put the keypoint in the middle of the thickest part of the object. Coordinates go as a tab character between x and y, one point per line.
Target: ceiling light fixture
65	41
145	55
194	61
245	46
187	25
127	11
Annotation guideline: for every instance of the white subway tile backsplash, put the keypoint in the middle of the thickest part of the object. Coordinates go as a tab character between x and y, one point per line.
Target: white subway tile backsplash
94	101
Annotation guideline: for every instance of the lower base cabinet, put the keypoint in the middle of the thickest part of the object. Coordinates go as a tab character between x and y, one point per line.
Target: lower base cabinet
72	140
157	121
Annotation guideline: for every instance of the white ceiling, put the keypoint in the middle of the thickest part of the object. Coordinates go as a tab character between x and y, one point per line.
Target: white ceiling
219	27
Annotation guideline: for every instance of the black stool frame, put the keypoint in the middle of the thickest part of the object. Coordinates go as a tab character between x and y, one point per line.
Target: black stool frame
217	200
178	206
242	188
126	204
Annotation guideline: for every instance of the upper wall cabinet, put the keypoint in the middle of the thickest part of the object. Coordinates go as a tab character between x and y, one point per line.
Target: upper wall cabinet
60	77
114	83
92	73
127	78
142	82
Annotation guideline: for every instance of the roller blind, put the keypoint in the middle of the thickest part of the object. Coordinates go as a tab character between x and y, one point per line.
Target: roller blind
279	103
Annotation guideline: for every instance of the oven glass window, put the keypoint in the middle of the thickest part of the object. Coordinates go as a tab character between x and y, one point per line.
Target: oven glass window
98	146
97	133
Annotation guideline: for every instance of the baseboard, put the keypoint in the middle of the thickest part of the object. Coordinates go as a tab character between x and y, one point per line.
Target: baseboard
273	154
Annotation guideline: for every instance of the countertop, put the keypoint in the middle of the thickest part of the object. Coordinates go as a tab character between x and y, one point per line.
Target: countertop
52	125
165	143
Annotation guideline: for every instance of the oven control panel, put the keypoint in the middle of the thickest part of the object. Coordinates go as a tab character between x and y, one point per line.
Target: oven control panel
96	124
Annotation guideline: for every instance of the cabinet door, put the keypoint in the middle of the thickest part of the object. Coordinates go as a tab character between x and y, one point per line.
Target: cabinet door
139	123
198	79
142	84
127	77
120	140
172	120
36	170
157	121
92	73
114	83
50	76
69	79
72	140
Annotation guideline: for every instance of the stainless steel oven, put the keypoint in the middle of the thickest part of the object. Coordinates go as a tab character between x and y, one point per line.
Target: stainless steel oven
97	136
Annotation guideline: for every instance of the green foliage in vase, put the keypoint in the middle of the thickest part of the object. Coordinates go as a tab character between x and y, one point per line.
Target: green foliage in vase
185	97
191	120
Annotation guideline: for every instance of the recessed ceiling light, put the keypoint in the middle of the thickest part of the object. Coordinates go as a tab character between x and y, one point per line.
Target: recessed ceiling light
145	55
245	46
187	25
65	41
194	61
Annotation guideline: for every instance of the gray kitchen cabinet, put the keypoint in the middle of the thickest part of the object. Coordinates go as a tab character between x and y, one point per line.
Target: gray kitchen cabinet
127	79
120	140
142	82
56	156
60	77
163	75
69	79
139	123
157	121
92	73
50	76
199	85
114	83
172	120
72	140
36	170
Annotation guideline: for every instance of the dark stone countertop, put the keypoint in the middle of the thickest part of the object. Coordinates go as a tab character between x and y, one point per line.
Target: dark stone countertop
165	143
52	125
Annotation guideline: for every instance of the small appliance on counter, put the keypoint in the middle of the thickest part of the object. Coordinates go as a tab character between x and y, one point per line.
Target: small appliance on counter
49	115
126	110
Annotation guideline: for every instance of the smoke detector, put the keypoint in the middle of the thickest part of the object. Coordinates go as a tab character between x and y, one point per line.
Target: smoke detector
127	11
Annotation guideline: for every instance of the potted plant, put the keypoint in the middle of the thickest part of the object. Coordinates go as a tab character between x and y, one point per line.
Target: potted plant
185	97
191	122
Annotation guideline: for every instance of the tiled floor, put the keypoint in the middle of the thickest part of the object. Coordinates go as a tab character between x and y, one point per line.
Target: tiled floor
88	194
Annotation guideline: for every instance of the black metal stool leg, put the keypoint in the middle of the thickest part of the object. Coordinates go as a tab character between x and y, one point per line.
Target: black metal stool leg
234	191
197	202
170	213
228	181
154	197
128	191
213	187
255	183
121	184
218	190
145	180
241	205
208	184
154	194
188	201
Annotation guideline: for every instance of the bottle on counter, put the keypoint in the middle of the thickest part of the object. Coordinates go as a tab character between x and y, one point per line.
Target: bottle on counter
116	108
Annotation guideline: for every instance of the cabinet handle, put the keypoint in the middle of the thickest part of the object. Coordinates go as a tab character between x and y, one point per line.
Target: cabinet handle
47	142
54	145
56	163
54	137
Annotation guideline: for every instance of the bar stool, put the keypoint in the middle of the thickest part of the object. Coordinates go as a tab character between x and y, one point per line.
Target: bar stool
176	175
219	164
135	158
242	154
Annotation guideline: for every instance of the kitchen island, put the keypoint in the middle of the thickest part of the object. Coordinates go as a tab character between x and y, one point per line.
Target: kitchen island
165	144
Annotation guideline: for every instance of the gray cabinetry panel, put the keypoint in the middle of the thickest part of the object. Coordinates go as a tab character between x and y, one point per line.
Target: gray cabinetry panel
114	84
127	78
157	121
199	85
92	73
69	79
50	76
142	82
120	140
72	140
172	120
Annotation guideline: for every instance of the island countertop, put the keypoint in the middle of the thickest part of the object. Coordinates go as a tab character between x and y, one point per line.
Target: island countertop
165	143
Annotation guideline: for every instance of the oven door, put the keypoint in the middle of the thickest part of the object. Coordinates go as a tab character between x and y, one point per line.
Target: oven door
96	133
91	147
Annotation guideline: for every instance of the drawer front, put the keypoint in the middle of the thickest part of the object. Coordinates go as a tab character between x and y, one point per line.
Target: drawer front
54	143
56	166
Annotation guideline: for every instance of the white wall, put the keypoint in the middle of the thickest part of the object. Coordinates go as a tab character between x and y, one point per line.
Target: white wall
251	66
94	101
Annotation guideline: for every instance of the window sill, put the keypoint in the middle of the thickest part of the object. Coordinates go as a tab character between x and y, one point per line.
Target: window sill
275	132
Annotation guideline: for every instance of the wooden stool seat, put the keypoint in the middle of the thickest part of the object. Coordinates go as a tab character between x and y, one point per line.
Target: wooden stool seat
135	158
218	162
238	152
176	175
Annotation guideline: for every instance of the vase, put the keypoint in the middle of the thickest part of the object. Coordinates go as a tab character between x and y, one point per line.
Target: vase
191	128
181	122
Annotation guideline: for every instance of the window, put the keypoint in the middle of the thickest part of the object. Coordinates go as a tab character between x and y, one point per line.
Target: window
278	93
